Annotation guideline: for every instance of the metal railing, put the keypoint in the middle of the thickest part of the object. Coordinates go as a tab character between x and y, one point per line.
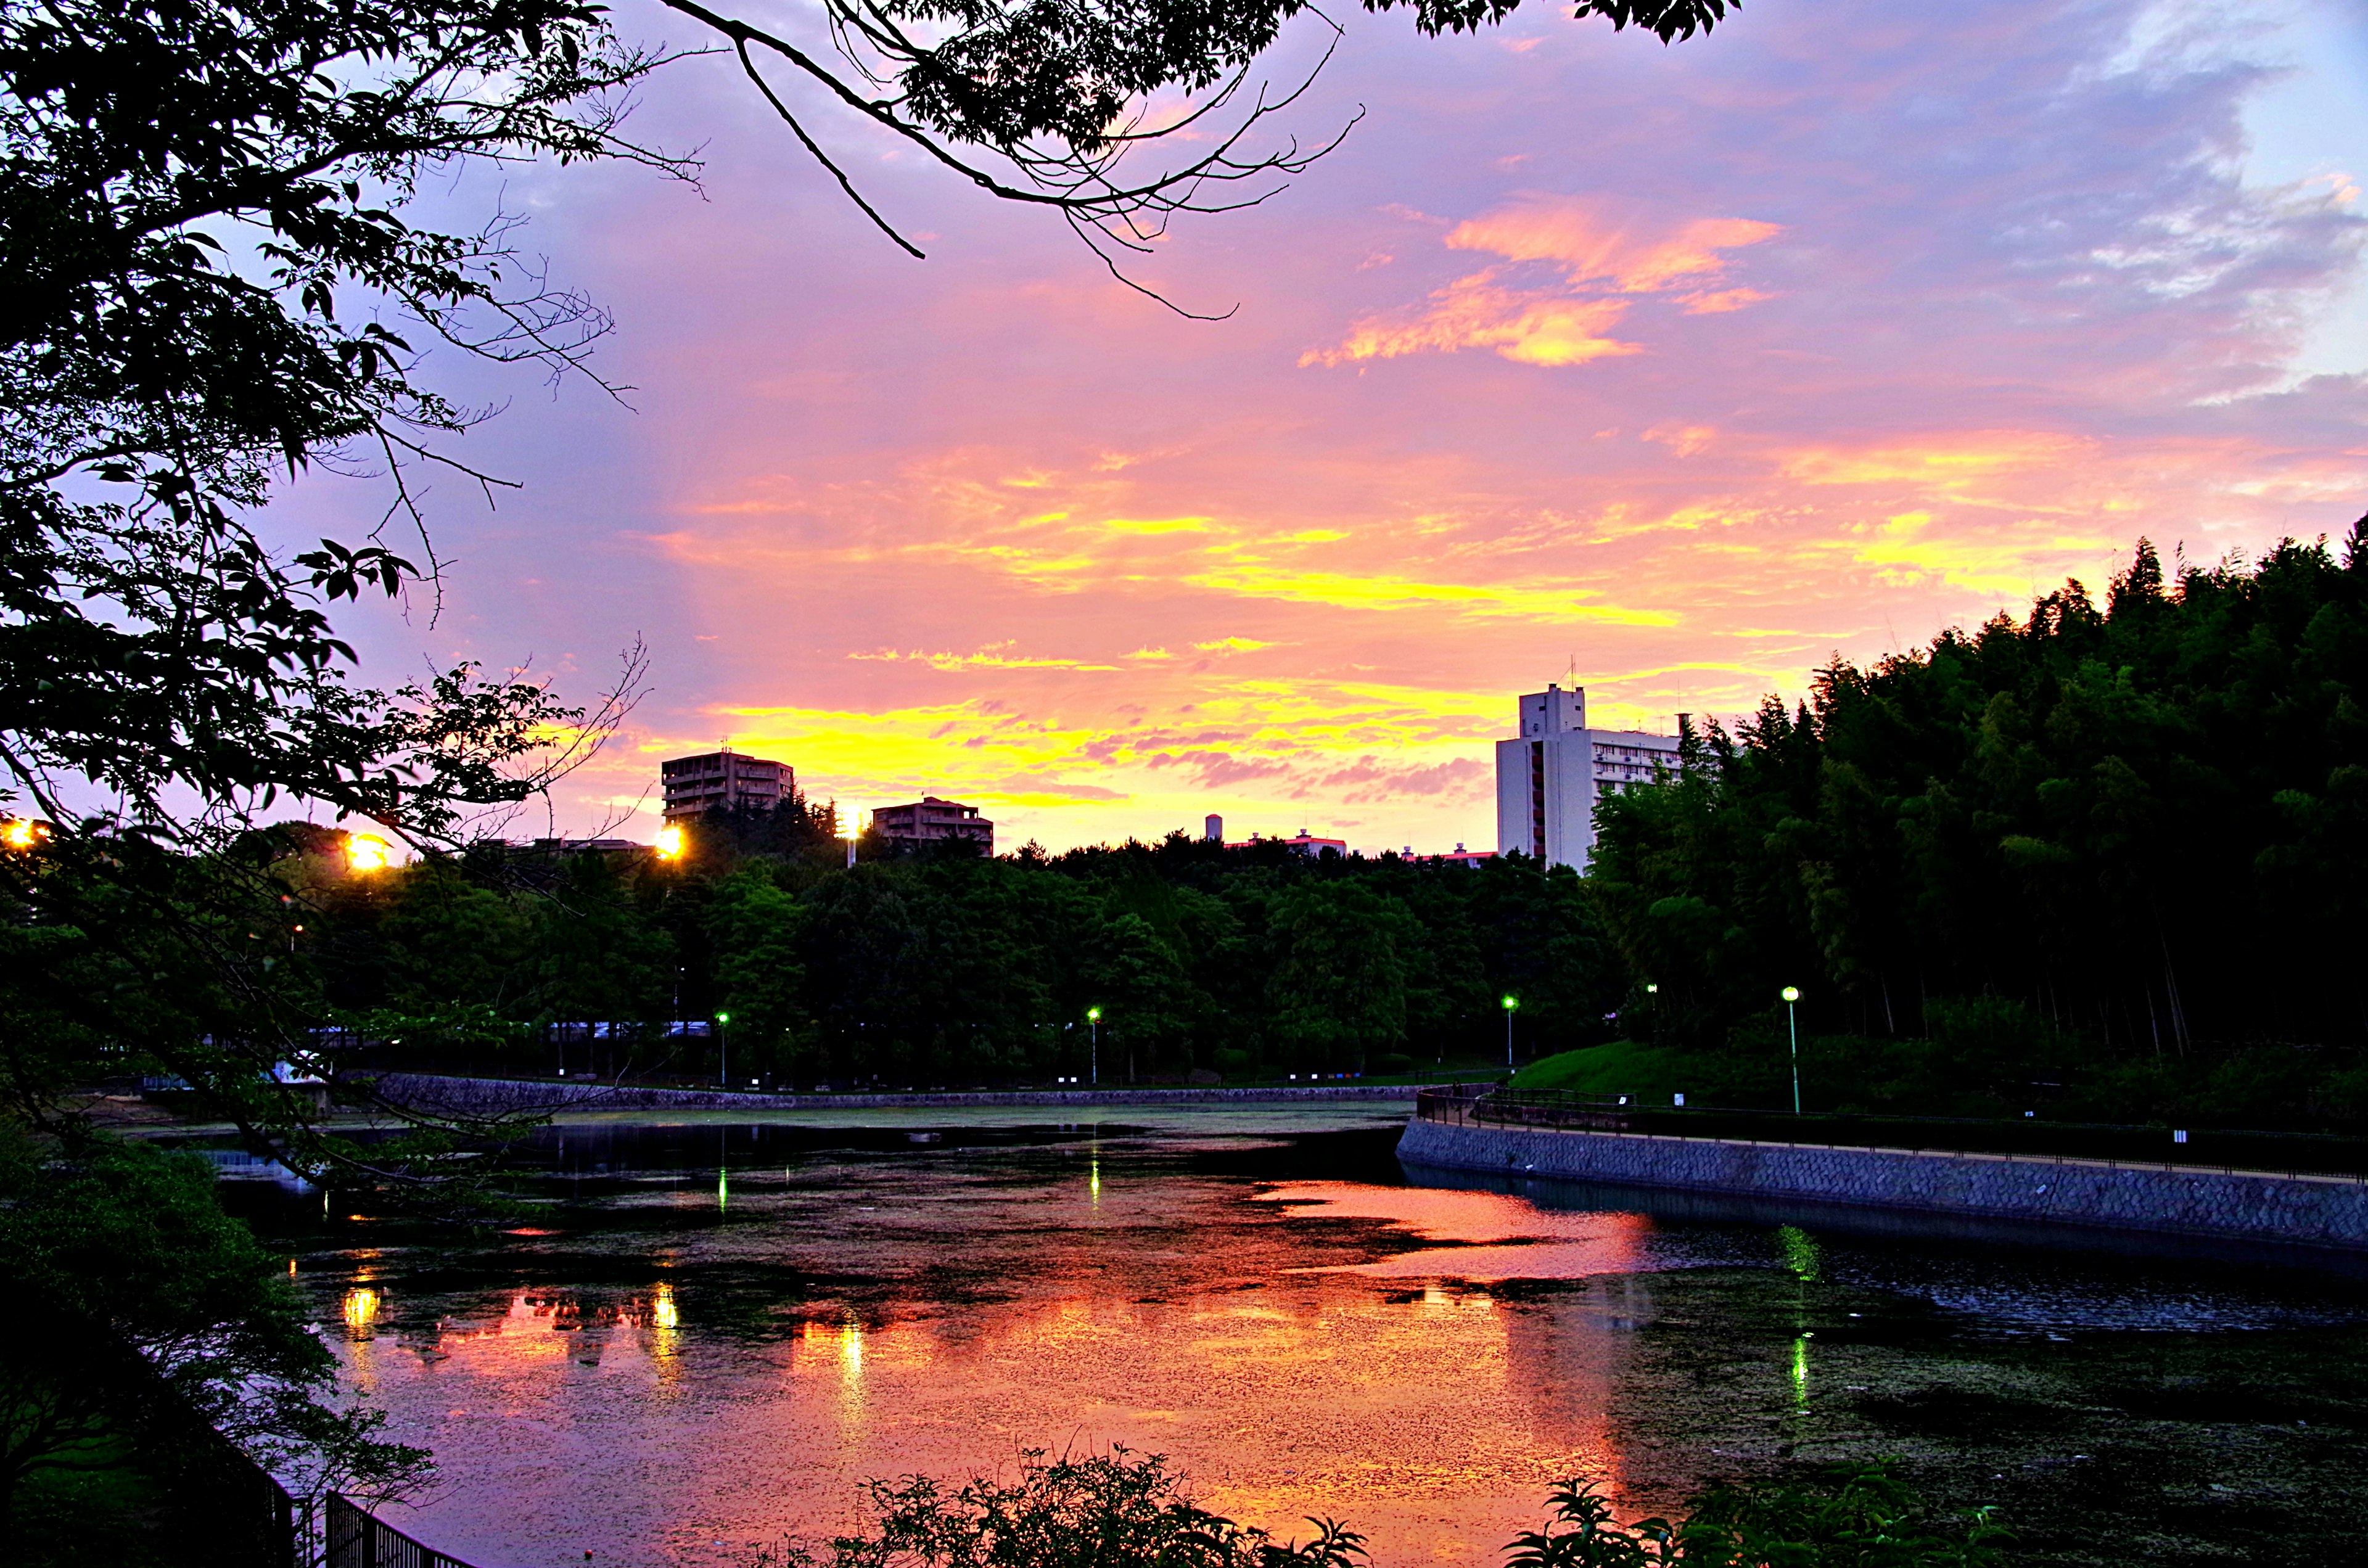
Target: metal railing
359	1538
2295	1157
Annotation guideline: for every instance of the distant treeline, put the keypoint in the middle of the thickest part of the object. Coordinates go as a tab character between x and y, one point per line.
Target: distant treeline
948	968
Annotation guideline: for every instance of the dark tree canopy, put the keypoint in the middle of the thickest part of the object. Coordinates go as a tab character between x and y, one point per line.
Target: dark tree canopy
2110	838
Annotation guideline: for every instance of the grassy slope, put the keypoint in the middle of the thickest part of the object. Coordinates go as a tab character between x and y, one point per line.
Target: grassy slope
1623	1067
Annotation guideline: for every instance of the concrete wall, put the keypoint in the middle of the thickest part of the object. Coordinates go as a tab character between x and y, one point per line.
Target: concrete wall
2179	1200
492	1097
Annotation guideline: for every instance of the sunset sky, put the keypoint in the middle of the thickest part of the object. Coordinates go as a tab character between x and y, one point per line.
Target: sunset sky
1690	365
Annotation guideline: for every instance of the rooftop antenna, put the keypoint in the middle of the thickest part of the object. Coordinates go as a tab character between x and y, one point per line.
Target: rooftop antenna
1572	674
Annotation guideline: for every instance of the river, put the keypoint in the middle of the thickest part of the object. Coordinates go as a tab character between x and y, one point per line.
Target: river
702	1336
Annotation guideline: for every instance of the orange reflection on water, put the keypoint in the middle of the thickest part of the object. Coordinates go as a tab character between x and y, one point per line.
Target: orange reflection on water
1434	1420
1485	1235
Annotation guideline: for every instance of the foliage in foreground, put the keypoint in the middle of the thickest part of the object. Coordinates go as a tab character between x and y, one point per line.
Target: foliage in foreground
1114	1508
1125	1510
141	1321
1843	1516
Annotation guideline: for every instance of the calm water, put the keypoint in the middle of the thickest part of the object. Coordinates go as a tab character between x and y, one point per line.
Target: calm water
704	1336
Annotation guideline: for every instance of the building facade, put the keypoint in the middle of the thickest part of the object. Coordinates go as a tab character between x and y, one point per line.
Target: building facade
1306	846
932	821
723	780
1551	775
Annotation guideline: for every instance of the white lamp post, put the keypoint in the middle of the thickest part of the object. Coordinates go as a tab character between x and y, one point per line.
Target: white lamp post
1094	1022
1792	995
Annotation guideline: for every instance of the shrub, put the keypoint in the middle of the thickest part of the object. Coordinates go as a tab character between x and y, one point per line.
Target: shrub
1112	1510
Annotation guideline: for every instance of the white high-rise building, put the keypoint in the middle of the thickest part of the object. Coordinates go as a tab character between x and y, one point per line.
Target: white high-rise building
1550	775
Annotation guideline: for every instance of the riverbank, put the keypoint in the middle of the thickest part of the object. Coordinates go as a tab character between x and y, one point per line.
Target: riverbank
2320	1211
493	1097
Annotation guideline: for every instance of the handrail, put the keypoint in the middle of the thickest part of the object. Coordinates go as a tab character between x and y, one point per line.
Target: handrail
359	1538
1496	1105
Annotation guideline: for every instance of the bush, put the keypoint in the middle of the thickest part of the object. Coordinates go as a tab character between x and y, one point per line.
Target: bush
1113	1510
1845	1516
1123	1510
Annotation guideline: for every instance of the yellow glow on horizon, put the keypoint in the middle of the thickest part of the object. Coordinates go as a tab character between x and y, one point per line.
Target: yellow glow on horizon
1155	525
1946	462
2008	563
1252	578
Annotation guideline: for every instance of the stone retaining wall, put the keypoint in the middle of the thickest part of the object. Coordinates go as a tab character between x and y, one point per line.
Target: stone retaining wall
2313	1211
495	1097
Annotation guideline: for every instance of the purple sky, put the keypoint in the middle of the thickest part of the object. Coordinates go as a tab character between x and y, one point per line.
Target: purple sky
1693	365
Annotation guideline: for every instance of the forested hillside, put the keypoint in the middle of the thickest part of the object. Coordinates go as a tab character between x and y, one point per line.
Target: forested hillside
2103	850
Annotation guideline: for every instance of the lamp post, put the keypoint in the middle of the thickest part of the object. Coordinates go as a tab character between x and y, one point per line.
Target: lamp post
722	1051
1511	1002
1094	1023
1792	995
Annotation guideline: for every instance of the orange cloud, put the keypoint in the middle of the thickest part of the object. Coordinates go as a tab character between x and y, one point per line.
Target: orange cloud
1591	247
992	658
1602	261
1472	313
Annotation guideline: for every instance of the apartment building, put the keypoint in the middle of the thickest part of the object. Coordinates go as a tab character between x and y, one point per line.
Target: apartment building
723	780
932	821
1550	775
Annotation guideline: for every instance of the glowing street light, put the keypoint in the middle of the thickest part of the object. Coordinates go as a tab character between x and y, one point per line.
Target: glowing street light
1512	1004
1094	1020
1792	995
722	1051
368	852
669	843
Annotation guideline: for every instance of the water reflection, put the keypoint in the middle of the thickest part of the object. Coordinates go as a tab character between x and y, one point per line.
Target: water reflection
658	1375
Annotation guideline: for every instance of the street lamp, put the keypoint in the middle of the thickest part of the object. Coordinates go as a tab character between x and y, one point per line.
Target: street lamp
1792	993
1094	1021
1511	1002
722	1051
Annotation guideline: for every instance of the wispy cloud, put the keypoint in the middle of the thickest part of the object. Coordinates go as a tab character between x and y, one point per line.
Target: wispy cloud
1567	319
1862	321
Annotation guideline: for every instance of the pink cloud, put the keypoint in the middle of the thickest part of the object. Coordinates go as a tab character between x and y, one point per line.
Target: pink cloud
1565	321
2010	300
1590	247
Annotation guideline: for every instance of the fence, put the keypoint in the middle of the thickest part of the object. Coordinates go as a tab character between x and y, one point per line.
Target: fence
271	1529
253	1519
2320	1156
358	1538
